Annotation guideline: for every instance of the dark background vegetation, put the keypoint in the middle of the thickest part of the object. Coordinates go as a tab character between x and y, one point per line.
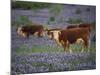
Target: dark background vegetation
29	5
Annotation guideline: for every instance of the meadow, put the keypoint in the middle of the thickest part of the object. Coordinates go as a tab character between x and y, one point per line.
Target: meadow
36	55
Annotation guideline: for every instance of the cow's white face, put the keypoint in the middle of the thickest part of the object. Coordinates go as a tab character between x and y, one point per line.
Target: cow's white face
19	32
55	34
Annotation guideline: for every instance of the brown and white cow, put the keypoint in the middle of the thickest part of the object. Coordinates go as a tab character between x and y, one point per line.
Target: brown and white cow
26	31
83	25
70	36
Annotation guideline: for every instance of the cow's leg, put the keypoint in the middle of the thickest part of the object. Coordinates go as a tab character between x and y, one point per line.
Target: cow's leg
68	47
86	44
39	34
89	45
58	43
26	35
83	46
64	45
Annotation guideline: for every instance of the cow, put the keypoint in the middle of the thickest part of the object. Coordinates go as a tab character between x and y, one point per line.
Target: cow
83	25
27	30
70	36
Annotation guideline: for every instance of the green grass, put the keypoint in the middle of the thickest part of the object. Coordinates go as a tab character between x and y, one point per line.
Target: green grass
22	20
52	18
24	49
74	21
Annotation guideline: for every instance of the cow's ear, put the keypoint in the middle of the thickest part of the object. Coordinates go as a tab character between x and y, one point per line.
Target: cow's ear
59	33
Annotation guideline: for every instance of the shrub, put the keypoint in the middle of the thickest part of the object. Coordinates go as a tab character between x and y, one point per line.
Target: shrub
22	20
55	9
29	5
52	18
78	11
74	21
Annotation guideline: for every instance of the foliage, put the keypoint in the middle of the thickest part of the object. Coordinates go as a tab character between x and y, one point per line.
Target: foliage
78	11
29	5
61	20
75	21
52	18
24	49
22	20
55	9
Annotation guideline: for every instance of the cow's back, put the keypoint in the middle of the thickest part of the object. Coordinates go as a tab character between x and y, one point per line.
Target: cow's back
73	34
86	25
32	29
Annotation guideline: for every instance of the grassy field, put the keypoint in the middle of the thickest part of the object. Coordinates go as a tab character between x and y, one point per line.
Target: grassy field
41	55
36	55
24	49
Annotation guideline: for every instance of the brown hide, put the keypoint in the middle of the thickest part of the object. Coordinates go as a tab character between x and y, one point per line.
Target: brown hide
31	30
70	36
83	25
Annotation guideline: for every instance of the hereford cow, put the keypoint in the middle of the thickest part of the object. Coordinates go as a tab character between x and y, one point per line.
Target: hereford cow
70	36
26	31
84	25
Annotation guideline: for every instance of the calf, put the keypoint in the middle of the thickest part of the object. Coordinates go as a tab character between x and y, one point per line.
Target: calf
26	31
